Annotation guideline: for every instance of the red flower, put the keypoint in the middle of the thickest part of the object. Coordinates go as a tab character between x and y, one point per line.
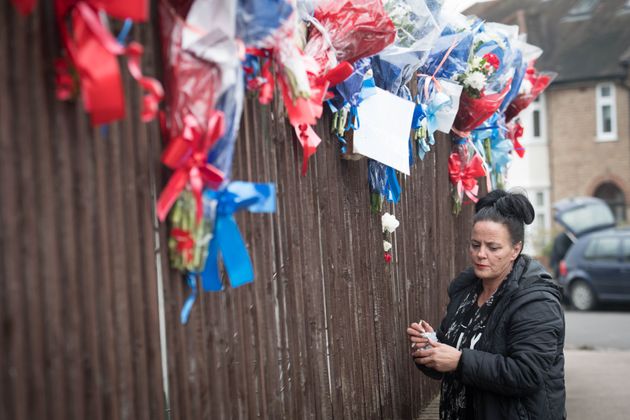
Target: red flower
388	257
492	59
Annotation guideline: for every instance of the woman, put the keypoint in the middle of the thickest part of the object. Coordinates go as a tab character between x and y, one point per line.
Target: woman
500	346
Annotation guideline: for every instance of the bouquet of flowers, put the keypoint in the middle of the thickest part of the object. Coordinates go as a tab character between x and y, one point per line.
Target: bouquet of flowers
524	53
486	81
449	54
417	28
533	85
348	30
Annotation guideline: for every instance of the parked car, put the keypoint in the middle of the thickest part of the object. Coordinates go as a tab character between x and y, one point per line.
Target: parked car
597	269
578	216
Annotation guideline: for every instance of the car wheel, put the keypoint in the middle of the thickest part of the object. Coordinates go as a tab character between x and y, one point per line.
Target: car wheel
582	296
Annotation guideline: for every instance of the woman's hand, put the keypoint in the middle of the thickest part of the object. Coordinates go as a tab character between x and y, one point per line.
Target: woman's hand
440	357
415	331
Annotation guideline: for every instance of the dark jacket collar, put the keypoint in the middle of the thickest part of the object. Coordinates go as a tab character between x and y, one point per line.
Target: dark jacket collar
526	273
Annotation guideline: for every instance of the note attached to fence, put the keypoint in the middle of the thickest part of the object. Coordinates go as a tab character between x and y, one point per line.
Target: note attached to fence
383	133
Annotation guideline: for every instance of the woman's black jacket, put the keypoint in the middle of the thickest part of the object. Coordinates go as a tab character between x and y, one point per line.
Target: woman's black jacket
516	370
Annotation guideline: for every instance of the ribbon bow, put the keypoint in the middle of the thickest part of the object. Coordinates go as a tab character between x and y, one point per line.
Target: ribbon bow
93	51
186	155
464	177
227	239
439	101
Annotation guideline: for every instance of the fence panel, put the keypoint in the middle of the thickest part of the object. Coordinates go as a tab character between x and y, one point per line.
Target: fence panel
320	333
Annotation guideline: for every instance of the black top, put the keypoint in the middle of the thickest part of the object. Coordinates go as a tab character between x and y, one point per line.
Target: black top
516	368
469	323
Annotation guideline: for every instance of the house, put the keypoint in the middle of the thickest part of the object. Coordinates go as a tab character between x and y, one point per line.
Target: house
578	133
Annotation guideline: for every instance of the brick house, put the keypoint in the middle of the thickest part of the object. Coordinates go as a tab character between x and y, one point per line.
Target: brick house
578	133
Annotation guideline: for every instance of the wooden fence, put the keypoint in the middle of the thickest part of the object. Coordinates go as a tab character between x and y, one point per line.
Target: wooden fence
89	309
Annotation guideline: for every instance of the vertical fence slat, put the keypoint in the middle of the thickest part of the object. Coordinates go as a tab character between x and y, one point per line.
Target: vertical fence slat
319	334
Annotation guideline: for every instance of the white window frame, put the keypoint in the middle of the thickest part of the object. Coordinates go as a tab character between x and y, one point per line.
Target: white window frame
600	102
529	138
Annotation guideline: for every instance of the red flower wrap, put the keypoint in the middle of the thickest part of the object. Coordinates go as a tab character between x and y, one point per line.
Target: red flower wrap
473	112
357	29
539	82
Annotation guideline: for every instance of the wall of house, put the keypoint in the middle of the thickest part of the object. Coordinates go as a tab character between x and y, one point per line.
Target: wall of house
532	173
579	161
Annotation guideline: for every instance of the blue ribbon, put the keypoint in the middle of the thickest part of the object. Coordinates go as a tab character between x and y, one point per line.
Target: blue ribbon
124	32
392	187
343	142
191	279
227	239
439	101
354	116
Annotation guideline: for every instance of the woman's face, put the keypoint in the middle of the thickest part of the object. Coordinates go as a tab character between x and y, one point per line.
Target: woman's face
491	250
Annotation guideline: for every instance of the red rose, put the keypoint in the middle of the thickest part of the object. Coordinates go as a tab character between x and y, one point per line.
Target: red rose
492	59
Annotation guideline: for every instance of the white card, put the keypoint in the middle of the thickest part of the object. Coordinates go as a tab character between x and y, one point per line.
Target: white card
384	129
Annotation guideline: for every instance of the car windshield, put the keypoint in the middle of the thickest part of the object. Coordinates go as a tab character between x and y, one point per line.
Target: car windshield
587	217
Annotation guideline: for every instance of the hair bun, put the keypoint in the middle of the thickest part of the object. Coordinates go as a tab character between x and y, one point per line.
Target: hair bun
509	204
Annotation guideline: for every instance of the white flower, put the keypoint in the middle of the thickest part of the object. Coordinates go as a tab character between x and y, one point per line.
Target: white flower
526	87
476	62
387	246
476	80
389	222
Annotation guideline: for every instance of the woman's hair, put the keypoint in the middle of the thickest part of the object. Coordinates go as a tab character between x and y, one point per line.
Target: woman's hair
511	209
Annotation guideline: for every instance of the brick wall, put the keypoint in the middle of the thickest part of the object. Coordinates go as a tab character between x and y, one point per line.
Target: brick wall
579	163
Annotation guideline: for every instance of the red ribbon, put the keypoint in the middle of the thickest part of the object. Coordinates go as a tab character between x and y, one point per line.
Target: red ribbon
93	51
187	155
265	82
464	177
25	7
185	243
515	133
309	140
136	10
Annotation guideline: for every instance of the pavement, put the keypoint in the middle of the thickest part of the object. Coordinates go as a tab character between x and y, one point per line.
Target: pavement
598	384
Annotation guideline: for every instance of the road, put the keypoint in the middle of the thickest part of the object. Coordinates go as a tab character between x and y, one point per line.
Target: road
597	354
607	328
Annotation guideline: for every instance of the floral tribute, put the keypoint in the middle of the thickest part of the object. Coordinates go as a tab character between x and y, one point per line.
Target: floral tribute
473	79
389	224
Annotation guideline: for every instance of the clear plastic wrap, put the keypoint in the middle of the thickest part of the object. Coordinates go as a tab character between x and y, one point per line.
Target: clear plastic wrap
489	75
192	84
417	28
532	86
449	55
348	30
258	20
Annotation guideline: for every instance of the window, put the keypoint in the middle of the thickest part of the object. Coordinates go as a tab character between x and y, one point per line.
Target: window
536	118
625	250
606	112
602	249
540	198
535	126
